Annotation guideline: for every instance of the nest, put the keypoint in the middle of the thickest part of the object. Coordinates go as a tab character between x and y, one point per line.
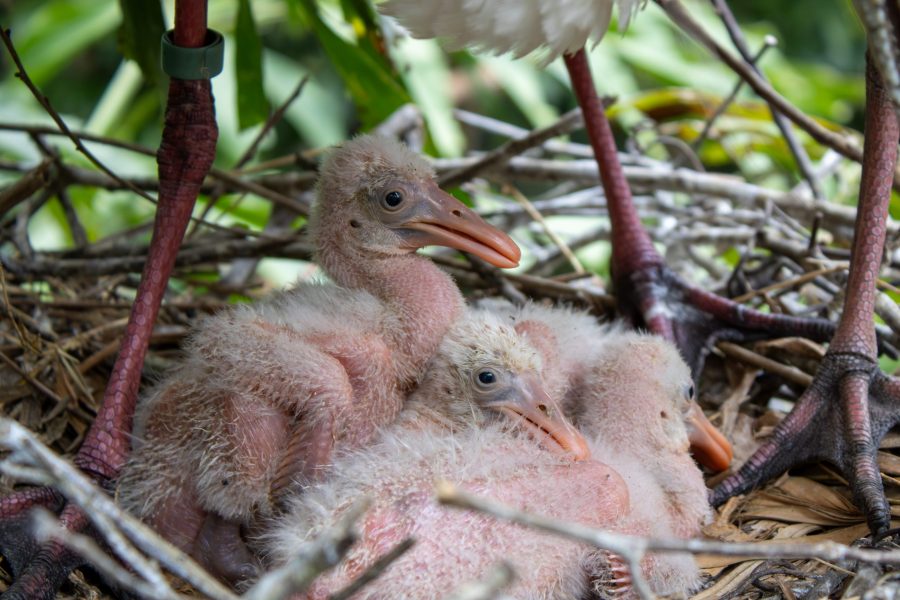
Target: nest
65	312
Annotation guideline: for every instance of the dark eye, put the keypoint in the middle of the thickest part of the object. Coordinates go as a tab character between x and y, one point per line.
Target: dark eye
393	199
689	391
486	377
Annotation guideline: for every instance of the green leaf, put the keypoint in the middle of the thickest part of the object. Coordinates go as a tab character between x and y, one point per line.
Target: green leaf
252	105
139	36
373	89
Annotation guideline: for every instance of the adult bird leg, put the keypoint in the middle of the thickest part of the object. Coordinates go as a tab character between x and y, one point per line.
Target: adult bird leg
850	404
185	155
648	293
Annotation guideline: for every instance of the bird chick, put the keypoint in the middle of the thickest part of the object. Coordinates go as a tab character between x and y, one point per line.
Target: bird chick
267	391
465	424
631	395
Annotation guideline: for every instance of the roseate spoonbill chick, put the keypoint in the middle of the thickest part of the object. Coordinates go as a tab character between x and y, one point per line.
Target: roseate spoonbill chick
464	424
267	391
631	395
637	400
581	348
850	398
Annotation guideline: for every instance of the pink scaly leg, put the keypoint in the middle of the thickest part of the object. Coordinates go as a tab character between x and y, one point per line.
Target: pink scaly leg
185	155
851	404
648	293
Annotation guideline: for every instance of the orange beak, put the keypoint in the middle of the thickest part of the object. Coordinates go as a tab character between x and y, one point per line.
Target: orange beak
542	417
708	445
443	220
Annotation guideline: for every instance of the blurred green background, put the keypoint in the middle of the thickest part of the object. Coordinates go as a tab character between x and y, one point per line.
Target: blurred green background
97	62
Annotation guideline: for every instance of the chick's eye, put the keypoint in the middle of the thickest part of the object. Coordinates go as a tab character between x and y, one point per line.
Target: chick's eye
487	377
689	391
393	199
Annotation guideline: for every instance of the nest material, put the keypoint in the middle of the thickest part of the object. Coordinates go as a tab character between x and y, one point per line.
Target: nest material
64	313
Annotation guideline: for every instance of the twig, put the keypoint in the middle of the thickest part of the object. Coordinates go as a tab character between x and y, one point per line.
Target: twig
568	122
500	576
250	152
769	42
374	570
110	521
539	218
623	544
271	122
792	374
325	552
789	283
25	186
841	143
678	180
630	548
45	103
47	527
794	145
31	380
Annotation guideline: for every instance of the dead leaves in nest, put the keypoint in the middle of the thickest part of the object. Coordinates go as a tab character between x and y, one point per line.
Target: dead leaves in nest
809	509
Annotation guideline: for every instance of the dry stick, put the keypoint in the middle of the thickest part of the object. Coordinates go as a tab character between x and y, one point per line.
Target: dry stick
31	380
374	570
841	143
768	42
325	552
500	156
87	177
630	548
678	180
792	374
537	285
109	520
250	152
539	218
25	186
271	122
796	148
45	103
500	576
503	128
624	544
789	283
118	544
47	528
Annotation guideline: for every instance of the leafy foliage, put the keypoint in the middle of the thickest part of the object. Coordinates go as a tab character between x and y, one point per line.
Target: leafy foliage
362	68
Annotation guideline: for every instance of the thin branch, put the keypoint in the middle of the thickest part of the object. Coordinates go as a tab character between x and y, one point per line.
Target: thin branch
623	544
47	527
325	552
794	145
839	142
110	521
22	74
539	218
768	42
374	570
786	372
500	156
271	122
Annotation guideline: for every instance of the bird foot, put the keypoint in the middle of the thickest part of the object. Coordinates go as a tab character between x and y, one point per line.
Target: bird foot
657	298
39	569
841	418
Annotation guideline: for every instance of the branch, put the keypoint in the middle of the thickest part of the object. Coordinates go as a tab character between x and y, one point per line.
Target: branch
45	103
325	552
32	460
